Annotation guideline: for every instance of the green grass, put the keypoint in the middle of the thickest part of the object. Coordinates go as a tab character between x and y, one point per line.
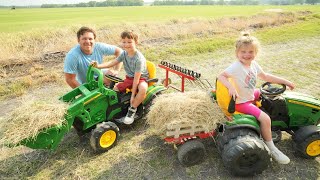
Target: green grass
37	18
194	46
288	50
290	32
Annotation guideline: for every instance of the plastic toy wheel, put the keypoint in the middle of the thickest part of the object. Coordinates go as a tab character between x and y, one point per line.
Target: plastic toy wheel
276	136
308	145
224	137
104	136
191	153
246	155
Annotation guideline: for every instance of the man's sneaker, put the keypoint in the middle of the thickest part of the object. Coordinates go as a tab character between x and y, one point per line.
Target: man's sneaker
130	115
280	157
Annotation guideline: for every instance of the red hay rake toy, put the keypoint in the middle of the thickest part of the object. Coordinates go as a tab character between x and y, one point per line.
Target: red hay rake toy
184	73
185	136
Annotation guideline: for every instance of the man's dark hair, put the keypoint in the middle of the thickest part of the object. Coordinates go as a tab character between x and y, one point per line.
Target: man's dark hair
83	30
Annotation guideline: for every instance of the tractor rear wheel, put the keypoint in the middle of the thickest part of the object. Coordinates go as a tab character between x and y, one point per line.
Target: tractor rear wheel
104	136
224	137
246	155
307	146
191	153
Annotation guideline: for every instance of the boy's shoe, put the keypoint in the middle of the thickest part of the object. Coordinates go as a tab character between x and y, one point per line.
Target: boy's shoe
280	157
130	115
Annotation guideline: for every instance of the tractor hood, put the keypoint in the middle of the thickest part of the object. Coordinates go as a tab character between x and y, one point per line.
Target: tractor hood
302	99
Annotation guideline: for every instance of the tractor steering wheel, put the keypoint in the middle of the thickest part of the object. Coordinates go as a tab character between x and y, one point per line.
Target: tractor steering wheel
113	80
272	89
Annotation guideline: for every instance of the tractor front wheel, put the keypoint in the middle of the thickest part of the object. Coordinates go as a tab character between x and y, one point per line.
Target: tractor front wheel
191	153
310	147
246	155
104	136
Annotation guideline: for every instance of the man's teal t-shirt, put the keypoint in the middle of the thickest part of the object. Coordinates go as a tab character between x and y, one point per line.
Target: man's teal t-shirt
76	62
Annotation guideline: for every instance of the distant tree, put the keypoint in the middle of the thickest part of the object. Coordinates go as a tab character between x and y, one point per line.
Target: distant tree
220	2
13	8
92	4
298	1
82	5
313	2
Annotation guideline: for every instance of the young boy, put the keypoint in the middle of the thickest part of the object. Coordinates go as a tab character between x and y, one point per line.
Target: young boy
136	72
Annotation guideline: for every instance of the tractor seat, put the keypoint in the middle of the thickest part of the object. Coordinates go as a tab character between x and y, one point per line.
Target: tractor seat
151	67
223	98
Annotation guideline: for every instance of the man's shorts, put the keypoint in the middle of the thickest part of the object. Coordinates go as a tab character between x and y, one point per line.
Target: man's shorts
127	83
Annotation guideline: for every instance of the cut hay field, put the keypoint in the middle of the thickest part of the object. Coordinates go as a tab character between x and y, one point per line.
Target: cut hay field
41	18
200	38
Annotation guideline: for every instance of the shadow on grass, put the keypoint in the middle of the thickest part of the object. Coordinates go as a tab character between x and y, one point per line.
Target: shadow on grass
45	163
159	161
139	155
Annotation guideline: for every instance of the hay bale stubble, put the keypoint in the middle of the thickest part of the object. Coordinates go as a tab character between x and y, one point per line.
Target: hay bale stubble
194	107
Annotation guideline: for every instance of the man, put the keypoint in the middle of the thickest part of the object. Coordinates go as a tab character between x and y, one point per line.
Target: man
79	57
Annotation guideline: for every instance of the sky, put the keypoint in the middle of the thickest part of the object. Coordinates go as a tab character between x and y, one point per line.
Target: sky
39	2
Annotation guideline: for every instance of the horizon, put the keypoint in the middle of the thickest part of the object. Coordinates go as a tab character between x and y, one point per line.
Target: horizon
40	2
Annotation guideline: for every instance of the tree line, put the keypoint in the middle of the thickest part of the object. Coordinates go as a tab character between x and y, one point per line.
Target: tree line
97	4
232	2
180	2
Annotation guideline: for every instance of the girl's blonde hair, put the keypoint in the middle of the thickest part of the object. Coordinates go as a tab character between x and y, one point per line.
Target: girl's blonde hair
246	39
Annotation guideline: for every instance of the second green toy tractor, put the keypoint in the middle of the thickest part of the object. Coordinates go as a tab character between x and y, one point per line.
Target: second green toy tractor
95	109
239	142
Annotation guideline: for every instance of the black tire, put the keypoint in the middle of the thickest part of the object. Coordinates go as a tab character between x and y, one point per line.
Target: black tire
104	137
309	147
225	136
276	136
246	156
191	153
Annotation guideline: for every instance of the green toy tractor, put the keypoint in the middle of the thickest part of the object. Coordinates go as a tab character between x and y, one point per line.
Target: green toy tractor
94	109
238	140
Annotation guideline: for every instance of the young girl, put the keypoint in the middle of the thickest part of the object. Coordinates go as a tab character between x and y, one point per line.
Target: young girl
244	74
136	72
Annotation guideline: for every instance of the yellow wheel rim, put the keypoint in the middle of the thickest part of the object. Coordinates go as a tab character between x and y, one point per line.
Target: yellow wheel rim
108	138
313	149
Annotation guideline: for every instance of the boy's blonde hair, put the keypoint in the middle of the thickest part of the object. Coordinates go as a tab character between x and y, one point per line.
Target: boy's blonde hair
130	35
246	39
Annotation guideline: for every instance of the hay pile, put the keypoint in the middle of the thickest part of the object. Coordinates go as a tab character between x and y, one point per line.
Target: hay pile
194	107
29	117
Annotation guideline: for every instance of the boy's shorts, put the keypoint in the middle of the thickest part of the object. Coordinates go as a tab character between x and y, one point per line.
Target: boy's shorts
127	83
248	107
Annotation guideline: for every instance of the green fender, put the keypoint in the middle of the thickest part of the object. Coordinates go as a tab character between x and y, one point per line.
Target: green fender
244	120
152	91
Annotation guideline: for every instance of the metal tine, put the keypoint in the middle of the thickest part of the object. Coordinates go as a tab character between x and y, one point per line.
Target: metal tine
207	84
200	84
195	83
